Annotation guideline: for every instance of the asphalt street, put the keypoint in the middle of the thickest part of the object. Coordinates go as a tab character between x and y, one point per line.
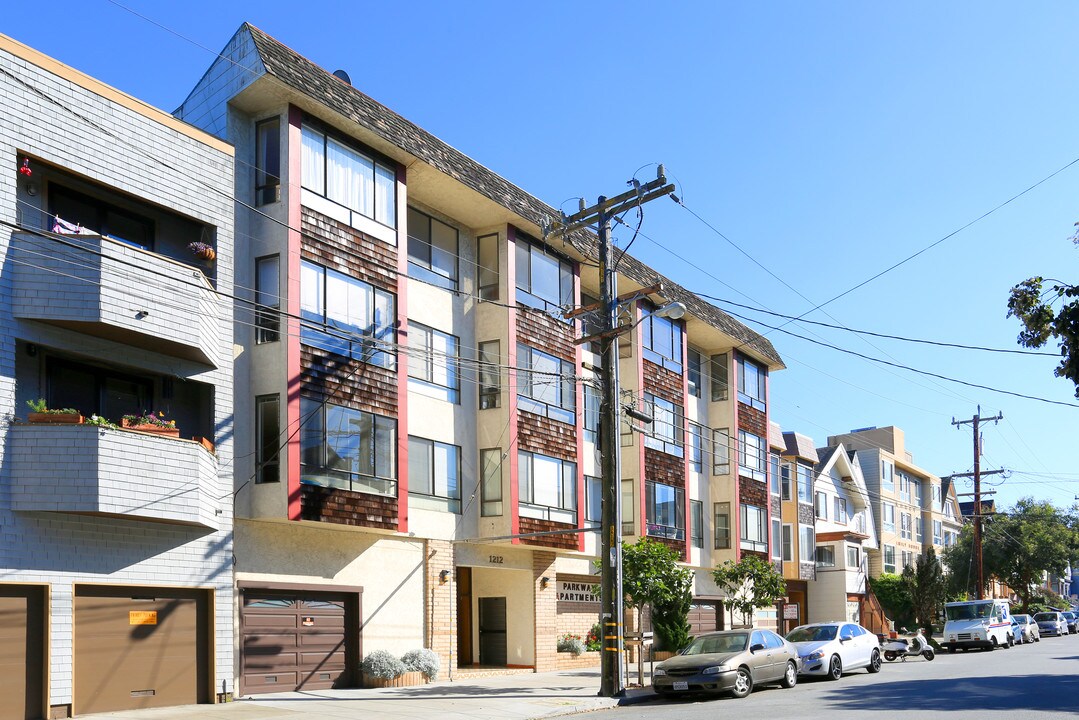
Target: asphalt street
1030	681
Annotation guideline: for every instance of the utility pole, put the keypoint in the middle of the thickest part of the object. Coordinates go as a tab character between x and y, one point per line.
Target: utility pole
976	421
612	683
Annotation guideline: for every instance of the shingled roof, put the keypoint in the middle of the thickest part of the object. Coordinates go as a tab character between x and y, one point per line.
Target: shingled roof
306	77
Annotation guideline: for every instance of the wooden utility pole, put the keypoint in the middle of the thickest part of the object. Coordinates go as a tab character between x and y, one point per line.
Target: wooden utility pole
976	421
612	683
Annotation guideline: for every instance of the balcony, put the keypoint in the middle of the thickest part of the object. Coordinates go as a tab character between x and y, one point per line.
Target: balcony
121	473
109	289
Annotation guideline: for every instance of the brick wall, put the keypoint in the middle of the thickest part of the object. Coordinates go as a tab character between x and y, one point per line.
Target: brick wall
440	602
346	507
567	541
546	610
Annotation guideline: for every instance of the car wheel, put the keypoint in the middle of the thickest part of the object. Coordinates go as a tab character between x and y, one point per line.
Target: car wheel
835	668
874	662
790	677
890	655
951	649
995	644
1011	641
743	683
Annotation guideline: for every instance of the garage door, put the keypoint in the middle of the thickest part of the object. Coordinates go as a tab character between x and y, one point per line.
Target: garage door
140	648
22	660
703	617
297	640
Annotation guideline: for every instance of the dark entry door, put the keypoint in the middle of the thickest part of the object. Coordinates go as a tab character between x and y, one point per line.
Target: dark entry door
464	616
493	631
22	660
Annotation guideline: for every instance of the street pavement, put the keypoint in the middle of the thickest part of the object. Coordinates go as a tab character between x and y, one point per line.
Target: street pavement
1040	680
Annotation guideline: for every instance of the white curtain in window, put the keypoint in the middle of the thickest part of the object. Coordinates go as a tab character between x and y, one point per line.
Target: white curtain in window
546	480
385	196
313	161
350	178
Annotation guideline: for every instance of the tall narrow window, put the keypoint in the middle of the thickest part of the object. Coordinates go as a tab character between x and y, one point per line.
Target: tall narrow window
785	481
593	499
491	482
693	375
788	543
434	471
544	280
718	371
432	363
773	473
721	451
722	514
487	271
661	339
752	383
268	161
268	297
777	539
807	543
696	447
267	438
591	414
696	523
490	387
432	250
629	511
887	476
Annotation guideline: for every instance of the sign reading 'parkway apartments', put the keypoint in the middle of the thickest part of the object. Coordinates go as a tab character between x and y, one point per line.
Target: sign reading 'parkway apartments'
577	592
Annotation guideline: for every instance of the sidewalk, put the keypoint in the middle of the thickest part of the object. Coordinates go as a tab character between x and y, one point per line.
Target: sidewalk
513	697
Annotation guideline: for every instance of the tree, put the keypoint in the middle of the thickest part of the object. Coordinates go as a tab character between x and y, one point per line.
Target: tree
749	584
1033	303
924	582
652	576
669	620
894	597
958	559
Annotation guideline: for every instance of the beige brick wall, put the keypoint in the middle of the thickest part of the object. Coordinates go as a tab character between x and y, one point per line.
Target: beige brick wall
440	605
546	606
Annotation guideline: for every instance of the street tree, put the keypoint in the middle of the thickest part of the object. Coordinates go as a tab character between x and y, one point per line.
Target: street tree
925	585
749	584
894	597
652	575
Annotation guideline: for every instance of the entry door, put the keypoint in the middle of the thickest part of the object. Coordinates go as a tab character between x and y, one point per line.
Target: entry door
493	631
464	617
22	643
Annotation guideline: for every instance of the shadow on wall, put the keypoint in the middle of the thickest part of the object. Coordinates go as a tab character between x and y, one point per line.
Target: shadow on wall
1052	693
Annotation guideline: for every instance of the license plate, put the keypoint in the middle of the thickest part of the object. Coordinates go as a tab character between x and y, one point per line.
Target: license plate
681	686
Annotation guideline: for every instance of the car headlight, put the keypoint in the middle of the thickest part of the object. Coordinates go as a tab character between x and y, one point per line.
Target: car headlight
658	672
816	655
716	669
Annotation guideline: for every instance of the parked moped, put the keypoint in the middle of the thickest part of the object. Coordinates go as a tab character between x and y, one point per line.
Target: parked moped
902	648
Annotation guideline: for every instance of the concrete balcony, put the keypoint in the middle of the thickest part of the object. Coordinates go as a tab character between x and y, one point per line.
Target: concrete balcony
99	471
112	290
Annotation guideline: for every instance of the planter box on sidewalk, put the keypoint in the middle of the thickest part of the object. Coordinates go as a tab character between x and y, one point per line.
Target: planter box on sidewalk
406	680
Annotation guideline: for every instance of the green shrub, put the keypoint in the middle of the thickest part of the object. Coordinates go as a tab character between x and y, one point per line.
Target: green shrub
382	665
423	660
570	643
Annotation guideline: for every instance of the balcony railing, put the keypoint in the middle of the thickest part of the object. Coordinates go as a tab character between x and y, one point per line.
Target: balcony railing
109	289
124	473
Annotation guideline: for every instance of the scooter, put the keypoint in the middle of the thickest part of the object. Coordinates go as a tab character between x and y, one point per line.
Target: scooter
901	648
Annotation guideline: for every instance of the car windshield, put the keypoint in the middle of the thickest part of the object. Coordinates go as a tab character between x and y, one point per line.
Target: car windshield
1023	619
735	642
1045	616
969	611
812	633
1069	615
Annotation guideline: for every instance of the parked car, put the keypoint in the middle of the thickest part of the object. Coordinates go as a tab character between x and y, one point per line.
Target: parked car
832	648
1051	623
731	661
1073	621
1030	628
1018	636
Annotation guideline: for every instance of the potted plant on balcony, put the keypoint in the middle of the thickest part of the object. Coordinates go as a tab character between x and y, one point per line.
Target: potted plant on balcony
203	251
41	413
151	422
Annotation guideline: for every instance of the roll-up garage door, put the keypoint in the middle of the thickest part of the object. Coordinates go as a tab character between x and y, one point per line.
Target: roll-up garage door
703	617
140	648
22	648
297	640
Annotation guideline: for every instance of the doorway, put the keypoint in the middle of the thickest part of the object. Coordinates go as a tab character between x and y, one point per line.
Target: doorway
493	649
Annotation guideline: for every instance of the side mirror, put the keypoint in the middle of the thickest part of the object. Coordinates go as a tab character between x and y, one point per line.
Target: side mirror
845	639
756	647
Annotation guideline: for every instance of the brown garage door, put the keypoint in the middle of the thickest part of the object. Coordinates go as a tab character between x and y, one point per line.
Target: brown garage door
297	640
22	648
703	617
140	648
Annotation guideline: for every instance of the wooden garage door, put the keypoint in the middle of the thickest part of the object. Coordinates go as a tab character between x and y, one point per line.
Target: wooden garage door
139	648
703	617
22	647
296	640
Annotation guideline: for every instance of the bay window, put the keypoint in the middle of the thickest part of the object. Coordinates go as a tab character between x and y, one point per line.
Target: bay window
348	177
752	455
348	449
547	487
346	316
752	382
825	556
665	511
545	384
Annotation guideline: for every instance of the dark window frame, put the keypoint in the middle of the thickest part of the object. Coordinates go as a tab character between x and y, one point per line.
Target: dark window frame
267	167
378	160
267	314
525	292
380	425
427	271
453	502
367	345
267	457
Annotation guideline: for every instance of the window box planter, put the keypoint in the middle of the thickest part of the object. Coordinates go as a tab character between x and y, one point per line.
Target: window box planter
60	418
404	680
148	428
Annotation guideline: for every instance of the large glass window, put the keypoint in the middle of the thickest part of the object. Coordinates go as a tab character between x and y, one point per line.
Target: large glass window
788	543
349	449
888	517
754	528
267	438
777	539
807	543
887	478
722	516
593	498
665	508
432	250
544	280
101	217
490	374
547	487
348	177
752	455
346	316
752	383
491	482
591	414
487	270
696	523
805	483
696	447
666	431
434	470
889	559
721	451
718	372
268	161
662	340
432	363
268	297
693	374
785	481
545	384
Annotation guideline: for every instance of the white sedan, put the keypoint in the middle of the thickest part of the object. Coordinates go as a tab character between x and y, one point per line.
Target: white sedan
832	648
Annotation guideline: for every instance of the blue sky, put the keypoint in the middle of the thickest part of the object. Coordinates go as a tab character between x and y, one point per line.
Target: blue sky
827	141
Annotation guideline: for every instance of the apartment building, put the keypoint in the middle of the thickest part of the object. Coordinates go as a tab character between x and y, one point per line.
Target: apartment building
419	427
793	461
116	584
909	503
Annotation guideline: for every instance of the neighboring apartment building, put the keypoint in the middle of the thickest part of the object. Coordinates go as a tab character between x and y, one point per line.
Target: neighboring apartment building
794	457
412	401
115	543
846	540
907	500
